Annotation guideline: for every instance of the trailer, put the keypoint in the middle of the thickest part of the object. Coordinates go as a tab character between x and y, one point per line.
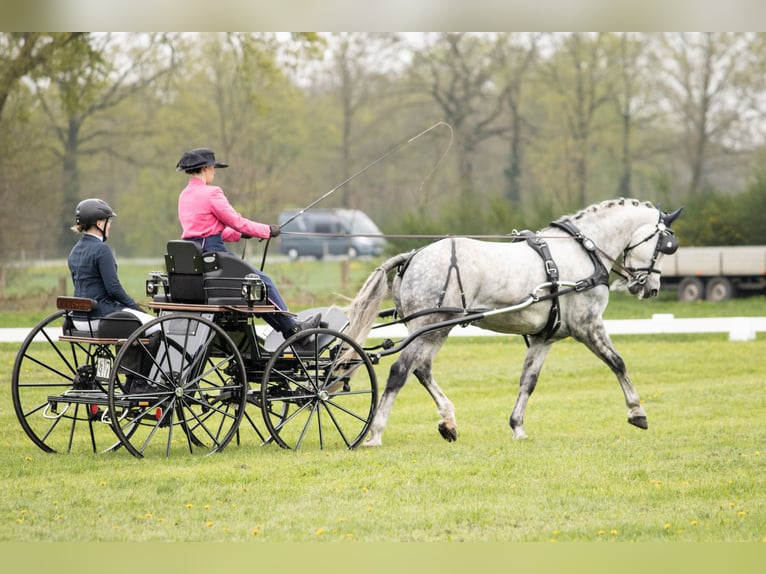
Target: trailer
715	273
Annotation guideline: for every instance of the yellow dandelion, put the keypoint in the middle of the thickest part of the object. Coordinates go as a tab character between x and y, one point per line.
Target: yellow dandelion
666	526
189	505
23	511
255	532
341	519
320	531
209	523
206	507
613	532
365	489
742	513
102	483
28	458
349	534
148	515
556	532
694	523
19	520
601	533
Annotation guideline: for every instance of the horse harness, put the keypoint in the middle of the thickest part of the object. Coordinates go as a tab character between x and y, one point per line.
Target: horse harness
600	276
666	244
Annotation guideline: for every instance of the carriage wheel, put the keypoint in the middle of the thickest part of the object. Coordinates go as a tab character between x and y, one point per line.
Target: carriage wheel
56	396
178	385
321	396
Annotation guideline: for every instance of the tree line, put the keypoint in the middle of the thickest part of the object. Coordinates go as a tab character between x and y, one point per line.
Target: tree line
528	126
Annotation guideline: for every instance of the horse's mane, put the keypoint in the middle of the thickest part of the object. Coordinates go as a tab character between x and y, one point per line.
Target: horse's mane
611	203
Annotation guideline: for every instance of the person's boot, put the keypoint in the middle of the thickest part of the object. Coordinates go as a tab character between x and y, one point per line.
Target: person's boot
310	323
306	344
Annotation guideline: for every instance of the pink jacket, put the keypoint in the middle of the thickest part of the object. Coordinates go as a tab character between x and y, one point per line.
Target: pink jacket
203	210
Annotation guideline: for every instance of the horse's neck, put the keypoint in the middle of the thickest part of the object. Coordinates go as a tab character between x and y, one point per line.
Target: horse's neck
612	229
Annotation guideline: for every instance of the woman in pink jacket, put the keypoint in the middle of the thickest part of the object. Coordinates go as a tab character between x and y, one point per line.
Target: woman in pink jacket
208	218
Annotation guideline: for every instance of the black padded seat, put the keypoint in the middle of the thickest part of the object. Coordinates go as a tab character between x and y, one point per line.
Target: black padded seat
118	325
223	282
213	278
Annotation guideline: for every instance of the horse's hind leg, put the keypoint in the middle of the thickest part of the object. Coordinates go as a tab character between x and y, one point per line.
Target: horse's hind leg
417	357
447	424
533	363
397	376
600	344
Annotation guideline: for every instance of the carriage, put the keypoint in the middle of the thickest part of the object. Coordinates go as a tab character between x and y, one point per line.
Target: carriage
188	380
194	378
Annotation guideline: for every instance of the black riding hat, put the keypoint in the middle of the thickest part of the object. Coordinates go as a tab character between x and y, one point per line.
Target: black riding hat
89	211
198	158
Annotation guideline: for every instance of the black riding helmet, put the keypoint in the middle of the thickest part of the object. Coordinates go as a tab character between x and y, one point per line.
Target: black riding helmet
196	159
89	211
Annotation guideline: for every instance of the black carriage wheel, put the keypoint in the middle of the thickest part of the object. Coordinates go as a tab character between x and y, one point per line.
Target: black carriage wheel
321	394
178	385
57	398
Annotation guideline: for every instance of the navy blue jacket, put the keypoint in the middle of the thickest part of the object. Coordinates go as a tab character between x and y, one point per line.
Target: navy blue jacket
94	274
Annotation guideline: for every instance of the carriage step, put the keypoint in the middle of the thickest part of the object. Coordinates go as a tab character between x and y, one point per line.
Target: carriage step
98	398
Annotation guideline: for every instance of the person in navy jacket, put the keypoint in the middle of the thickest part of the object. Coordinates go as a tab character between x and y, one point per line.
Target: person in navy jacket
93	268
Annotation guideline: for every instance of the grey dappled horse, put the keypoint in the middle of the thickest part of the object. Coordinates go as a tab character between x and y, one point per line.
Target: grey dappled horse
561	272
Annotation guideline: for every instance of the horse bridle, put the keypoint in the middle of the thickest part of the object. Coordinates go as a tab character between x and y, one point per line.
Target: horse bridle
667	244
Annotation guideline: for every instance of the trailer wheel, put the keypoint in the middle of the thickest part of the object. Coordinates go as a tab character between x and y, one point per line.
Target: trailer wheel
691	289
719	289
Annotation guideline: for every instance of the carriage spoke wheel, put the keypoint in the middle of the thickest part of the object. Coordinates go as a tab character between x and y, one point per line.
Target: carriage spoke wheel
318	394
57	398
178	385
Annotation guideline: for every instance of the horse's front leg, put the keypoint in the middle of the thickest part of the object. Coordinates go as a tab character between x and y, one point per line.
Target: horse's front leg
598	341
533	363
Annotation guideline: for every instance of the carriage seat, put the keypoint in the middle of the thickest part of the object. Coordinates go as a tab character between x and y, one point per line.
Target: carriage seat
117	325
213	278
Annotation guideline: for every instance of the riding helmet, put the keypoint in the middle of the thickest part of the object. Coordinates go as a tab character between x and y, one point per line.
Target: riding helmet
89	211
195	159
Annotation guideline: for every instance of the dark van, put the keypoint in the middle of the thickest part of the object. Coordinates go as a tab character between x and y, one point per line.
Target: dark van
347	232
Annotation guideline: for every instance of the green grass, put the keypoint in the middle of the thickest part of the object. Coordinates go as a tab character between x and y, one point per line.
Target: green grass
584	475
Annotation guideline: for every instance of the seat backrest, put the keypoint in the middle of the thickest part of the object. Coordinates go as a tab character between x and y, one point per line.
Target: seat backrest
185	266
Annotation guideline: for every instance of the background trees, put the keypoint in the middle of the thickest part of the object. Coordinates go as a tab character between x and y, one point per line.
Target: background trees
541	123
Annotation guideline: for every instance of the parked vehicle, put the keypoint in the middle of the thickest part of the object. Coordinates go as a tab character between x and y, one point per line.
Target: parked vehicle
715	273
322	232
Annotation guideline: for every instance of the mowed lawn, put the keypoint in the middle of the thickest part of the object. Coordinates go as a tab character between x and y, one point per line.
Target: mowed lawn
584	474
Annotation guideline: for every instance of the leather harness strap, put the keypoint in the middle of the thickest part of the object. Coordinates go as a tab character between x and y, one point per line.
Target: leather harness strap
452	265
540	247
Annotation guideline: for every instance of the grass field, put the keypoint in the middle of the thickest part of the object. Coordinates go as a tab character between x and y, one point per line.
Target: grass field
697	474
694	479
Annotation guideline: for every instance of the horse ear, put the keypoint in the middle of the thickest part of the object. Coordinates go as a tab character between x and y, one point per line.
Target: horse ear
669	218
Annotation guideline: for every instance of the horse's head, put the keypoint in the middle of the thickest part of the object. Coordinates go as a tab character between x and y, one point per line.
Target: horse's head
642	258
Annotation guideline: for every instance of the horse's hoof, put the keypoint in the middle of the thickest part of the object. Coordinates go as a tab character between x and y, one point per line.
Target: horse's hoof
640	422
448	433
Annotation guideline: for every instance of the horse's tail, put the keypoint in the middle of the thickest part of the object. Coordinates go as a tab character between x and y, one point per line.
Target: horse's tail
364	308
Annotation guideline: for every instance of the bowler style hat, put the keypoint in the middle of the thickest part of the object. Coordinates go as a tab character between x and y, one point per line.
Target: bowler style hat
198	158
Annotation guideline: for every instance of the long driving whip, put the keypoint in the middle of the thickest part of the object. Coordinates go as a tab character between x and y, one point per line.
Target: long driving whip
364	169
